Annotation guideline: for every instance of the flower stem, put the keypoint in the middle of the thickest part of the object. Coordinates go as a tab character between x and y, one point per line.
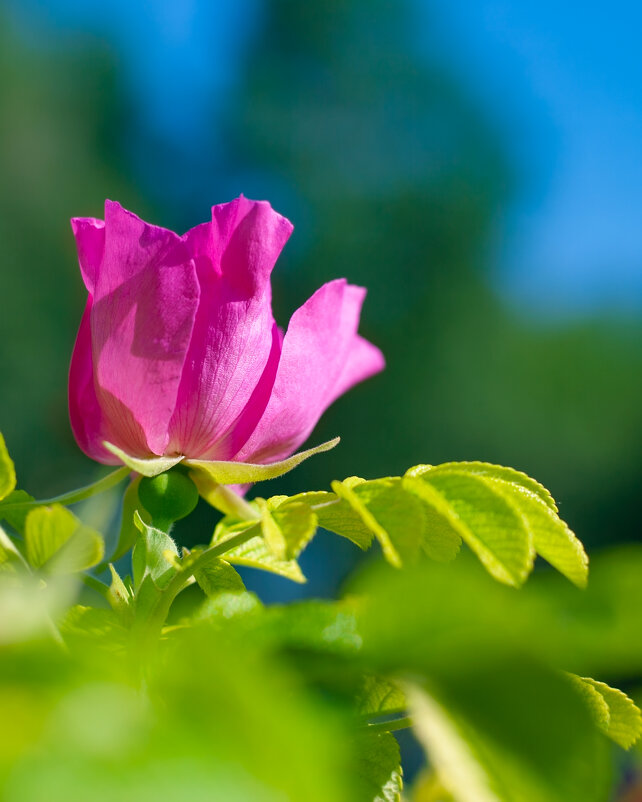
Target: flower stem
106	483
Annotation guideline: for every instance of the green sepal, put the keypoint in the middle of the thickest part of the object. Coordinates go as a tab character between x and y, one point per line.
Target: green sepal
56	542
150	466
240	473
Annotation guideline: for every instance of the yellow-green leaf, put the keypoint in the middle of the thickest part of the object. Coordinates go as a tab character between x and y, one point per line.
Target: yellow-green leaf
7	470
613	711
58	542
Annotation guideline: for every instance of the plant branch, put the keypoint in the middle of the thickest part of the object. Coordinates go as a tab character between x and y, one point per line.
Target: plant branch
106	483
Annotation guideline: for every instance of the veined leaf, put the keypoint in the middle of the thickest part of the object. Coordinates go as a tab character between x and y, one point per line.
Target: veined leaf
254	553
548	534
336	515
217	577
484	518
379	696
7	470
378	767
287	526
17	516
394	516
613	711
57	542
240	473
153	555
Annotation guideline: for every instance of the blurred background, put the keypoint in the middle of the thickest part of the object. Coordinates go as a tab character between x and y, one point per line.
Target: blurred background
475	164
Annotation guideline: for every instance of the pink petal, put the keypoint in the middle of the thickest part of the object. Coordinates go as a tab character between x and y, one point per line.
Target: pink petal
322	357
145	301
85	414
233	356
90	242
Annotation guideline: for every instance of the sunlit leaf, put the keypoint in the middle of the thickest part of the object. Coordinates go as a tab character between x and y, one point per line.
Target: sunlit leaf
378	768
254	553
379	696
218	576
16	516
57	542
614	712
152	555
287	526
7	471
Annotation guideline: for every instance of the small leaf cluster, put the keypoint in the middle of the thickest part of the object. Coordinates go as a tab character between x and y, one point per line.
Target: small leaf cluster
134	685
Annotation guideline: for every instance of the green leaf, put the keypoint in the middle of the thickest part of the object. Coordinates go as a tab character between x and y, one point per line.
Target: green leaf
58	543
377	764
549	535
7	471
287	526
146	467
336	515
394	516
240	473
154	555
552	538
379	696
613	711
17	516
254	553
218	576
485	519
10	555
506	730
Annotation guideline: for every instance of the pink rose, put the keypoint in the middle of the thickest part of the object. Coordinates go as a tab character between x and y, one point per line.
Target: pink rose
178	353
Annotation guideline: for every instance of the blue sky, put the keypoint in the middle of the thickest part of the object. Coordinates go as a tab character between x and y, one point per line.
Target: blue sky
562	81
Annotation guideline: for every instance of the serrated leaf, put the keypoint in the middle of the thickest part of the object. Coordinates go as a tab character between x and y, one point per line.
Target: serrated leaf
378	768
395	516
152	555
613	711
240	473
336	515
57	542
254	553
379	696
286	526
146	467
491	471
484	517
7	471
550	536
218	576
